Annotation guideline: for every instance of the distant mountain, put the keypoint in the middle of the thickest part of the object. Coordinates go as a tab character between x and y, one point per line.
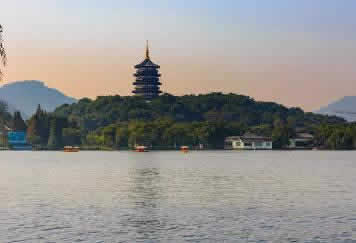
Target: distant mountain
11	109
26	95
345	107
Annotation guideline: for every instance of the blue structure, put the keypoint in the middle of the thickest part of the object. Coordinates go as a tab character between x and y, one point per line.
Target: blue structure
17	141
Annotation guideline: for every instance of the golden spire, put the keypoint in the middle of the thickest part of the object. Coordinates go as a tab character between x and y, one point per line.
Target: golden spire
147	50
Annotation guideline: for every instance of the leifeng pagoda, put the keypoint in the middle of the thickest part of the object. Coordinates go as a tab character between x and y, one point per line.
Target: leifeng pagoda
147	78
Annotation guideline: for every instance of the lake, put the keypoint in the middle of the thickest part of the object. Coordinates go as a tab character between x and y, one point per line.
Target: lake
210	196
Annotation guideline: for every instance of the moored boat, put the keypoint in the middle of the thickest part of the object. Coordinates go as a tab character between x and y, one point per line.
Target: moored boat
184	149
141	149
71	149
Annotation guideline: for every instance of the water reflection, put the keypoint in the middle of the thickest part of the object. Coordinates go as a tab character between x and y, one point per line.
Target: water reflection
145	195
170	197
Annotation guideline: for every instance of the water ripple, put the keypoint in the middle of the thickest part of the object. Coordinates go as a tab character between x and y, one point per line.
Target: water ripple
164	196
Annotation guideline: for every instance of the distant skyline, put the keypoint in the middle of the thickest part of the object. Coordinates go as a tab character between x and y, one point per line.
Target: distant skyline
297	53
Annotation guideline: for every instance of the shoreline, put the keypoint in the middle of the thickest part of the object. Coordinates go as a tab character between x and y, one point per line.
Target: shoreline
177	150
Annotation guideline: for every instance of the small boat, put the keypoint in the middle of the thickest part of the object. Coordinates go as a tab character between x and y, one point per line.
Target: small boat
71	149
141	149
184	149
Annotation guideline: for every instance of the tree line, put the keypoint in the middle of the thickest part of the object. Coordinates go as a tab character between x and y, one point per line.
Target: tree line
50	131
116	122
163	133
54	132
339	136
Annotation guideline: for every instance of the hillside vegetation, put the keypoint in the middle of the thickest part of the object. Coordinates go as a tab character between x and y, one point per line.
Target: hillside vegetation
106	110
169	121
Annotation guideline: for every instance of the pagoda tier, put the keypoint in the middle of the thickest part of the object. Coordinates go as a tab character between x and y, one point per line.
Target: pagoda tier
156	83
147	72
147	78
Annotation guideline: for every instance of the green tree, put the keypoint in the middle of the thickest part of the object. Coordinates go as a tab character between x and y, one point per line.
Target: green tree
38	127
55	135
18	123
3	57
109	133
122	136
33	131
340	138
179	134
140	134
280	135
71	136
94	139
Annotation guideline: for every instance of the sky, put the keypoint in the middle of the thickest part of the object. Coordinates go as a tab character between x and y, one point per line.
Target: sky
299	53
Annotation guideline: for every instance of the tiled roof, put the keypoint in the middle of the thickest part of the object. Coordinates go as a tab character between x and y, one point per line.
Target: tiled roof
147	63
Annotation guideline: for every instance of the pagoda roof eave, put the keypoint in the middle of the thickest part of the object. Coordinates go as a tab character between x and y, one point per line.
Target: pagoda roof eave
147	63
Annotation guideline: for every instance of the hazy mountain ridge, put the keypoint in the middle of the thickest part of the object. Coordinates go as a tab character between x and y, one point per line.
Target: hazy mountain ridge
344	107
12	109
26	95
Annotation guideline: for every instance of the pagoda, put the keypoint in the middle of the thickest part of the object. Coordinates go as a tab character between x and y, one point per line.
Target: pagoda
147	78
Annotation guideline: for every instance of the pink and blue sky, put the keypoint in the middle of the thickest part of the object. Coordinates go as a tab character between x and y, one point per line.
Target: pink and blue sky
295	52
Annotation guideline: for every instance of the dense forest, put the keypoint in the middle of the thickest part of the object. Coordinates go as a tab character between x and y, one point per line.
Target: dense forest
116	122
167	122
214	107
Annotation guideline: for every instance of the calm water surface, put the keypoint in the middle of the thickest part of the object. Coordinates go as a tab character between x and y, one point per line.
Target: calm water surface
175	197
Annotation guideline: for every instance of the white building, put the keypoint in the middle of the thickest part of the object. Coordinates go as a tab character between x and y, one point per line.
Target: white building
301	141
248	142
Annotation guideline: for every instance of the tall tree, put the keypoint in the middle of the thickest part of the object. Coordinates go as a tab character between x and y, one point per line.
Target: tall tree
280	134
18	123
55	134
2	52
38	127
122	136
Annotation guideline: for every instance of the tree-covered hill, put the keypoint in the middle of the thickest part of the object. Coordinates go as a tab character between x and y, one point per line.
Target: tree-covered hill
213	107
170	121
